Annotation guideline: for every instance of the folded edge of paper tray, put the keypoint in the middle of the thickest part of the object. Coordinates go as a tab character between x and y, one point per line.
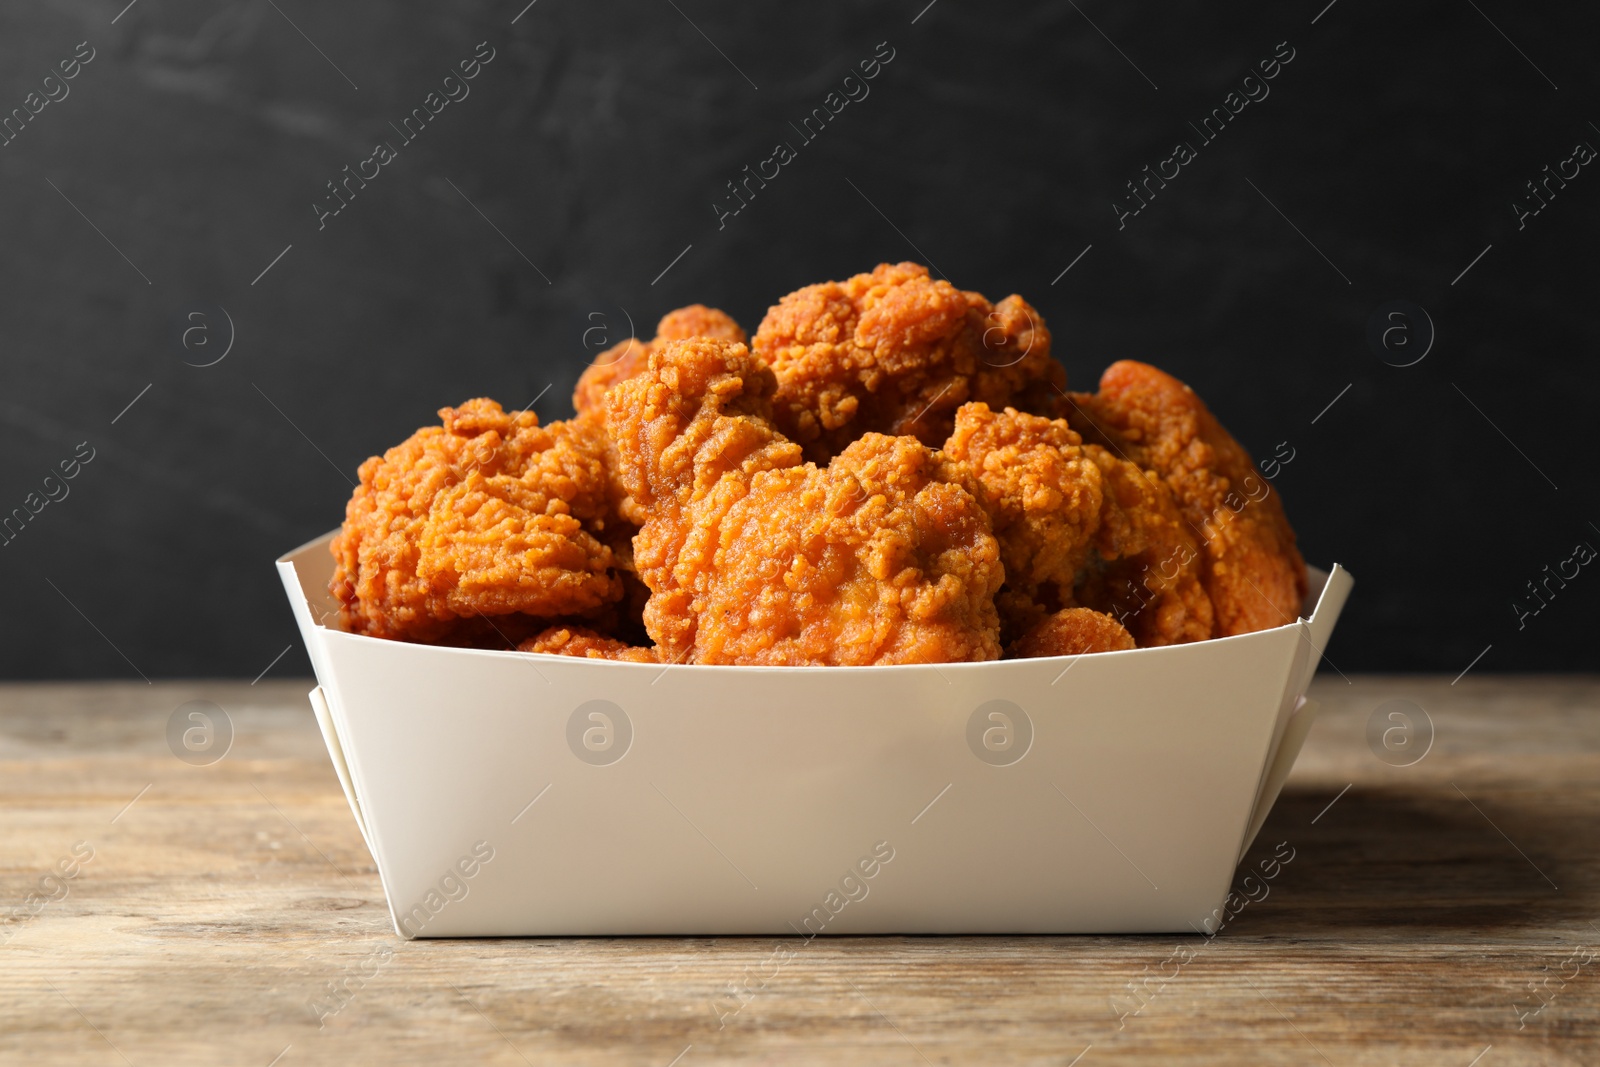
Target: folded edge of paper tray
330	737
1317	629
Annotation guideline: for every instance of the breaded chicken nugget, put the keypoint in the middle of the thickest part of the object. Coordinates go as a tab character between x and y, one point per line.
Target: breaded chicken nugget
1079	526
486	515
754	557
586	643
1253	572
896	352
1045	499
622	361
1072	632
1149	574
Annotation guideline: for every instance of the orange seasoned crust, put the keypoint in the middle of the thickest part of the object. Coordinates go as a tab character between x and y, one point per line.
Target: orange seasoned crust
622	361
1072	632
485	515
897	352
586	643
1252	570
752	556
1150	572
1077	525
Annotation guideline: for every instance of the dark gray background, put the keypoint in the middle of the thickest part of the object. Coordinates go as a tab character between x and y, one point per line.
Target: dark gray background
596	142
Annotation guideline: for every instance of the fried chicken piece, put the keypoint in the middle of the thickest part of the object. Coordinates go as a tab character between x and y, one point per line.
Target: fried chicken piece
1045	499
1150	574
1072	632
620	520
623	361
753	557
586	643
1077	525
486	515
1252	570
896	352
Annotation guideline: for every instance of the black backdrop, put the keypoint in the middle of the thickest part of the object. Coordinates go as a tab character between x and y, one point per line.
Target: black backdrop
574	189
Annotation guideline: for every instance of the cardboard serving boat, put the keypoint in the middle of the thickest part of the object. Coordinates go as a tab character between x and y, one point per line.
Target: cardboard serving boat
507	793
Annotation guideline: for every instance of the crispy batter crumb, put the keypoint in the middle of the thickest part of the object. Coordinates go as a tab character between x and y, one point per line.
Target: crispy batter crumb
485	515
584	642
1072	632
752	556
1251	569
622	361
897	352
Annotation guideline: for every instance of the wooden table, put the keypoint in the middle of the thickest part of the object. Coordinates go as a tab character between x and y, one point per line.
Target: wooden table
1430	913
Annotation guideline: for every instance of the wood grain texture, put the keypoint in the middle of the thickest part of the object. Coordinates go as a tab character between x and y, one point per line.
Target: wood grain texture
1419	911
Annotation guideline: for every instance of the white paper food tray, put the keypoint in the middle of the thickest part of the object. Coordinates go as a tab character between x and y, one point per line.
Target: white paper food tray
504	793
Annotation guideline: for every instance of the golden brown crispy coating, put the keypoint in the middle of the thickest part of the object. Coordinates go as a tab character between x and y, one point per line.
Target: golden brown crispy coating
695	416
1045	498
697	320
1072	632
486	515
679	507
1078	525
896	352
1253	572
754	557
616	364
1150	574
587	430
621	362
584	642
